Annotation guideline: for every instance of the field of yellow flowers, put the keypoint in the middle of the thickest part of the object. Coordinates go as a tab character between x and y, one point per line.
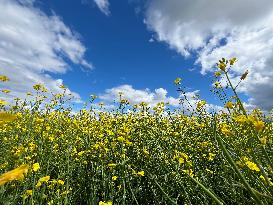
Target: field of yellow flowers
51	155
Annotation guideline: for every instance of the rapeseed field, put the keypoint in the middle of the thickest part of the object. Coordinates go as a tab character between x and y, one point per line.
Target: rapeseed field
53	155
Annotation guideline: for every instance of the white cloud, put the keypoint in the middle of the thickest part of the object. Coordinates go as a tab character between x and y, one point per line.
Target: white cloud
33	45
136	96
103	5
152	98
215	29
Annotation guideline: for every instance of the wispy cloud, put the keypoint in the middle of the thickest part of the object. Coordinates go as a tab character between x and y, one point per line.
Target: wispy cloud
103	6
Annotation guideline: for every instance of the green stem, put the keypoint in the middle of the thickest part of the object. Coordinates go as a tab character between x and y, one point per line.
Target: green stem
133	195
166	195
233	164
212	195
237	97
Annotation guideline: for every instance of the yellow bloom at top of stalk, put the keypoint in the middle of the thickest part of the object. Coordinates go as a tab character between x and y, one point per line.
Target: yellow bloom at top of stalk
3	102
15	174
232	61
201	104
177	81
40	87
5	91
4	78
229	105
217	73
222	66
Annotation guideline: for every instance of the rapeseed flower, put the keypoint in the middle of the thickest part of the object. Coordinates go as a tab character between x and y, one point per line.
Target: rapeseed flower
114	178
229	105
140	173
3	102
35	167
42	180
15	174
259	125
177	81
105	203
27	194
5	91
4	78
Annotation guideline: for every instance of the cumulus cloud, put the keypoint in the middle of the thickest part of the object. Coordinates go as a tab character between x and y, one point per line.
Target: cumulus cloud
34	45
136	96
214	29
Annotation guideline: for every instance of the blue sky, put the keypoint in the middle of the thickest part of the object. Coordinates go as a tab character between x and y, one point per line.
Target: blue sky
119	48
136	46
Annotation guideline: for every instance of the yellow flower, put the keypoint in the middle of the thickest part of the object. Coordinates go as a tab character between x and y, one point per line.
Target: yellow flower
50	202
181	160
225	129
112	165
4	78
60	182
62	86
105	203
217	73
114	178
2	102
40	87
42	180
189	172
200	104
252	166
29	192
141	173
35	167
241	119
211	156
263	140
217	84
15	174
6	91
232	61
229	105
259	125
80	153
177	81
120	139
222	66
